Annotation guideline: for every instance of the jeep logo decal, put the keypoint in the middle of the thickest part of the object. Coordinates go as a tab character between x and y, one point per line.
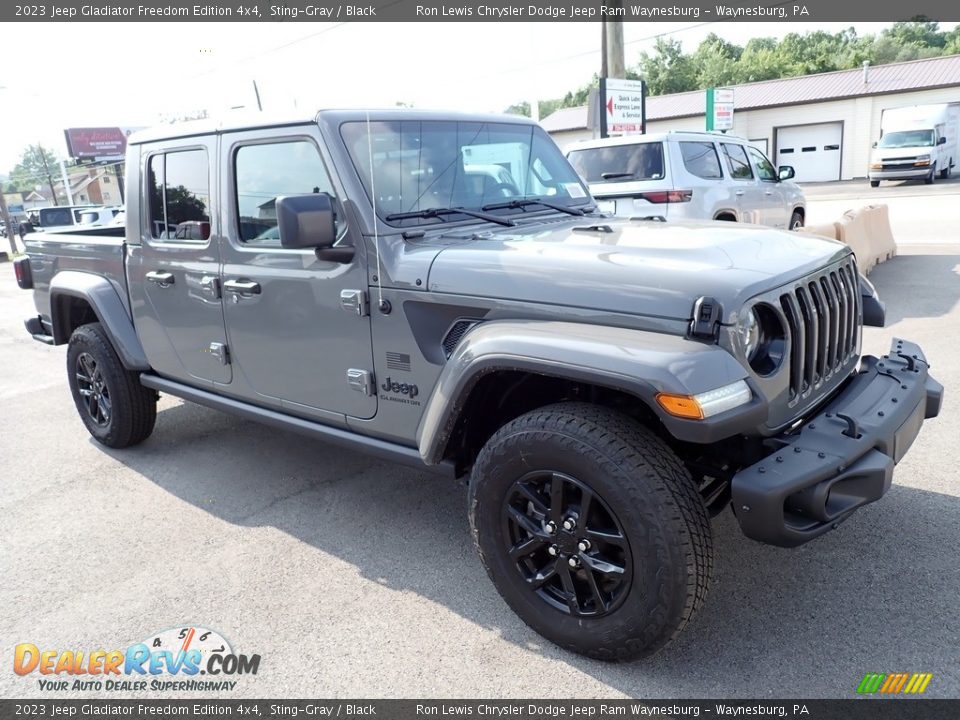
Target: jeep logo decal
408	389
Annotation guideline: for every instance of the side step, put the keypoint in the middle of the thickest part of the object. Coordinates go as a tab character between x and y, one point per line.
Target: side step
369	446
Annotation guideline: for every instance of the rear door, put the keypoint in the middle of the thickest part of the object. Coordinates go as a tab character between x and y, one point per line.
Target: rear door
174	280
294	341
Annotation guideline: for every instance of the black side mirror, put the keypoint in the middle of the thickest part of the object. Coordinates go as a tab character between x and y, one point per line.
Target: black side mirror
786	172
306	221
942	140
874	145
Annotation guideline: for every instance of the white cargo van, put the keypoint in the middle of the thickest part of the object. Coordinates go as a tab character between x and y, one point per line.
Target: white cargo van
916	142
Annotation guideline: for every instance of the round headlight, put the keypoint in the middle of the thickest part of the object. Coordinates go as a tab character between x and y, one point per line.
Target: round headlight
749	331
763	338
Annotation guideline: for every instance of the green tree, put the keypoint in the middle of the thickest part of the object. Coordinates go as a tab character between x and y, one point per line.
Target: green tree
920	32
38	166
667	69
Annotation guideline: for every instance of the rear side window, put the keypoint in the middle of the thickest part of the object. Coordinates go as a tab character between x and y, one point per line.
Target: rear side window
267	171
700	159
619	163
178	185
737	162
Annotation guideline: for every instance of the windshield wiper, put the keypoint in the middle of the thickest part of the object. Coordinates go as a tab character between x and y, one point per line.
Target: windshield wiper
616	175
443	212
516	204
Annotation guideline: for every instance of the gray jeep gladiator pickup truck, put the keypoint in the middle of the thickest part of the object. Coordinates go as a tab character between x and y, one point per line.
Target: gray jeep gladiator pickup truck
439	290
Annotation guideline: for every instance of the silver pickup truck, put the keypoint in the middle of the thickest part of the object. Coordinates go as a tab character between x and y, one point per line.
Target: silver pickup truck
440	291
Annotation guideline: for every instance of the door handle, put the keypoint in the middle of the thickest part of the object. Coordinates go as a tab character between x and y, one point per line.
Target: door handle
163	279
767	192
739	193
242	287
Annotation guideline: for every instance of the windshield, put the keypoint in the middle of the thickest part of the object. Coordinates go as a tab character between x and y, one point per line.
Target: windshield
419	165
907	138
619	163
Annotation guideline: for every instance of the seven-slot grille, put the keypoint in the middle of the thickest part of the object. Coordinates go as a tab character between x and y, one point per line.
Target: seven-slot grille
823	315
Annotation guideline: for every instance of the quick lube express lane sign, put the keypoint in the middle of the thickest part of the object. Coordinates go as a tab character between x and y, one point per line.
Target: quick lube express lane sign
622	107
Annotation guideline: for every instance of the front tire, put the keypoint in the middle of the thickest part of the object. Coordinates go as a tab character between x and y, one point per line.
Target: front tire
796	220
947	171
928	180
117	410
592	530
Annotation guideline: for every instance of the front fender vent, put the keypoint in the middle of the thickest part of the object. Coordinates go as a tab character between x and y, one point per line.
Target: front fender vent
455	335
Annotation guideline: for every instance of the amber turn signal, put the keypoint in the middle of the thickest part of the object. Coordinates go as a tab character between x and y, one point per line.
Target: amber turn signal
683	406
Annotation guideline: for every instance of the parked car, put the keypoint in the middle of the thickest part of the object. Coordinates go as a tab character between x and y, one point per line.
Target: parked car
59	217
689	176
603	389
98	216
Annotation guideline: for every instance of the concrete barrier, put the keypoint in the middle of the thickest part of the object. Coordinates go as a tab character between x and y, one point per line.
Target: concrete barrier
867	232
827	230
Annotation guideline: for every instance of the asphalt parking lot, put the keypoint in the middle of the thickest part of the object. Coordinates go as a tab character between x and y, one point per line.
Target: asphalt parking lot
352	577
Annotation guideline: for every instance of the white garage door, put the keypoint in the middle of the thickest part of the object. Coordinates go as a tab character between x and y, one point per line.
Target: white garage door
812	150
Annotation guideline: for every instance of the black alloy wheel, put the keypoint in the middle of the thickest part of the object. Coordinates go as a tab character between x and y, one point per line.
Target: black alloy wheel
567	544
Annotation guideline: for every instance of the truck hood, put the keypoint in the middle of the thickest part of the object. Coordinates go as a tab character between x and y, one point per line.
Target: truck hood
904	152
638	267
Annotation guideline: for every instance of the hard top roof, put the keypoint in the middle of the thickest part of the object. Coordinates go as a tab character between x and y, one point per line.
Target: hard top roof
246	121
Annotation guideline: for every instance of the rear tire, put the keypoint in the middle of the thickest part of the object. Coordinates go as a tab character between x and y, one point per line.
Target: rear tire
874	183
649	554
796	220
117	410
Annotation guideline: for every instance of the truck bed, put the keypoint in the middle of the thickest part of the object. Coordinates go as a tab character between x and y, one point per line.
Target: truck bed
98	250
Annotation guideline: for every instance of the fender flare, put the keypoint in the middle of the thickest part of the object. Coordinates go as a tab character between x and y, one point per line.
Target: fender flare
639	362
107	306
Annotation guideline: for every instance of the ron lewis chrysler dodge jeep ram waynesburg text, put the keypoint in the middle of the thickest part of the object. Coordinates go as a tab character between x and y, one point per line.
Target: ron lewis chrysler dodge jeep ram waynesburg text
439	290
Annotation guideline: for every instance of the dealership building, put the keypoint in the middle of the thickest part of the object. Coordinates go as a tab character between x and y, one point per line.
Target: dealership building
823	125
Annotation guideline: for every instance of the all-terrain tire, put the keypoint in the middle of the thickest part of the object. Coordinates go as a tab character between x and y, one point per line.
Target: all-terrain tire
641	485
124	412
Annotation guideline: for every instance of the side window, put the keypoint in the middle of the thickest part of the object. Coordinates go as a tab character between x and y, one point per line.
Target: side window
737	162
765	169
263	173
700	159
178	185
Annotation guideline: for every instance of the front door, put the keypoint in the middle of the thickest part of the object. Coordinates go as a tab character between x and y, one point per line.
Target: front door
750	199
173	273
774	211
293	340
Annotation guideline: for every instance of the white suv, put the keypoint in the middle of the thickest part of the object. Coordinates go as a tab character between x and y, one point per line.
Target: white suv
689	176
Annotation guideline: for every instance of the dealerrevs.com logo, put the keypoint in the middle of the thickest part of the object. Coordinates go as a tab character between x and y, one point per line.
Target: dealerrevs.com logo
178	659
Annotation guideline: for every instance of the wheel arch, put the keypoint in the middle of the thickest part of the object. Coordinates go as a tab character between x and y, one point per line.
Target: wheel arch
554	361
726	215
78	298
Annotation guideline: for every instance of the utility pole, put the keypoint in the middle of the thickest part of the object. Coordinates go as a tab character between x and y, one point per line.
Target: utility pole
8	223
613	65
46	170
66	182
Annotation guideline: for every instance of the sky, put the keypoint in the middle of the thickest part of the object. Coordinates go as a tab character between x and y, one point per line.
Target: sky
137	74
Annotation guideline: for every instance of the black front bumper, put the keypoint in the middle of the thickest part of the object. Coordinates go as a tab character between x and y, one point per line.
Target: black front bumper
842	458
